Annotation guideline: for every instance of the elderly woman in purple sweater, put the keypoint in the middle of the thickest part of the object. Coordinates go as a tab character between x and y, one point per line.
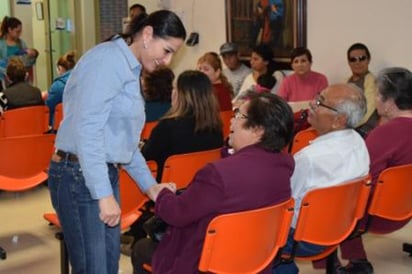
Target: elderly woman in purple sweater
256	175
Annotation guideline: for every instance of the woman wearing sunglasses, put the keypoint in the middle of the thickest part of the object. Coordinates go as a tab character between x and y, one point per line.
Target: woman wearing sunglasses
358	59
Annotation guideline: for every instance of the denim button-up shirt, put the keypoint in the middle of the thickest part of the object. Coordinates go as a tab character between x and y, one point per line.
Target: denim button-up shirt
104	115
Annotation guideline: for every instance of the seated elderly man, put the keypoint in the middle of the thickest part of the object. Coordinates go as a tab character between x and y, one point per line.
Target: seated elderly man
255	176
338	155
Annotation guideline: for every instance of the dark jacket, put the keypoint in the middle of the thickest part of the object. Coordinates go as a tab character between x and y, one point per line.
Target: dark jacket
22	94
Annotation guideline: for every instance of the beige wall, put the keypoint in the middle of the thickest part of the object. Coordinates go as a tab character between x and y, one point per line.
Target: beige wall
332	26
384	26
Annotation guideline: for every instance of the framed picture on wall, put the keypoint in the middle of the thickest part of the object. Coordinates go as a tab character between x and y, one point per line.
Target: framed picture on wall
278	23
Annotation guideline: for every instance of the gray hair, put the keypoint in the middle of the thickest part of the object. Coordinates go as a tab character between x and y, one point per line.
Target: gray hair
354	106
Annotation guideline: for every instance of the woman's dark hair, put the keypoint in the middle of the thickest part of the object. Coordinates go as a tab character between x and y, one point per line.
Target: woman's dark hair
67	61
16	71
358	46
396	83
266	52
158	84
164	22
299	52
266	80
8	22
275	116
195	98
138	6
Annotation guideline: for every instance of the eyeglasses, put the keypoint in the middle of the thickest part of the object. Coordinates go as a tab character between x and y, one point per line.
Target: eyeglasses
239	115
358	59
318	103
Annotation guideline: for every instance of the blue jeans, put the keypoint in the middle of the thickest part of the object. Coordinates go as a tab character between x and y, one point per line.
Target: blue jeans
94	248
303	249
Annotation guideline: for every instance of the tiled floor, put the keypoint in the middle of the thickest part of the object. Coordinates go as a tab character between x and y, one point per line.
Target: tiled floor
32	248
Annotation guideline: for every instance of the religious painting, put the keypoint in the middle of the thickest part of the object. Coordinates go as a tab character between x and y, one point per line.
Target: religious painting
278	23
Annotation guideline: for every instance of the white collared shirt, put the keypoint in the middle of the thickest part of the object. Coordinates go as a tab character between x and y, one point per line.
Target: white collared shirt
330	159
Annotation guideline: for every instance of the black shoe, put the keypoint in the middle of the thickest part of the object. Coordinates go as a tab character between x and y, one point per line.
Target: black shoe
356	267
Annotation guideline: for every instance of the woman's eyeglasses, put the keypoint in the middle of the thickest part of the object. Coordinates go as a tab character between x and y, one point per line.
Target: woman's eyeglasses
358	59
319	103
239	115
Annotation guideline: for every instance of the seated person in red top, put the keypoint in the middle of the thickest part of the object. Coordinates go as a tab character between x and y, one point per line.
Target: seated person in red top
389	144
211	65
157	89
256	175
303	84
192	124
19	92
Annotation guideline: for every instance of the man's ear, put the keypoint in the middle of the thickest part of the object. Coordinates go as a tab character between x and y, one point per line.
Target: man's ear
340	121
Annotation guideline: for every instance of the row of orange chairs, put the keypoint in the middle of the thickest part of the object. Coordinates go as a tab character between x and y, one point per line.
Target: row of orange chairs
264	231
35	119
28	121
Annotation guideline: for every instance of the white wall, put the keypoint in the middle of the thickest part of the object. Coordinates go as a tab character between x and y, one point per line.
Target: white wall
384	26
332	26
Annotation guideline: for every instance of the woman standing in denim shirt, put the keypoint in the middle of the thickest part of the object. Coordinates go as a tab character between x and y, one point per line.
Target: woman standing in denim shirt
65	64
103	117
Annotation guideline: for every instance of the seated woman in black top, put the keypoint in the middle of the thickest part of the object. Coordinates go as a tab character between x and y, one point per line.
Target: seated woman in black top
192	124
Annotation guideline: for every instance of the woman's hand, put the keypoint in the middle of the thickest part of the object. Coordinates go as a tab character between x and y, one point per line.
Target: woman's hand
154	190
109	211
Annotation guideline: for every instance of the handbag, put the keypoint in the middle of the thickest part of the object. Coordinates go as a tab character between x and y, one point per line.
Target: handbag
155	227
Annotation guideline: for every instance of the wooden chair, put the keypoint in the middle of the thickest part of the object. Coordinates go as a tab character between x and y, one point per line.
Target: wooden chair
24	121
302	139
147	129
328	216
131	200
226	116
246	242
181	168
58	116
24	161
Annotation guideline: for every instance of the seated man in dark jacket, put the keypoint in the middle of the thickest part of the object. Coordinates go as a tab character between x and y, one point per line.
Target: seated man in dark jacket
19	92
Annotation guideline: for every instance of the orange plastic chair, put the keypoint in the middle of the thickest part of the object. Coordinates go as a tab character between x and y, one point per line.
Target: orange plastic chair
392	197
329	215
246	242
181	168
24	121
58	116
131	200
131	197
302	139
226	116
147	129
24	161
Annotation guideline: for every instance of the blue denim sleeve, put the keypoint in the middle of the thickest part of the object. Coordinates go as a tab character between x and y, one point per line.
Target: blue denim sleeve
139	171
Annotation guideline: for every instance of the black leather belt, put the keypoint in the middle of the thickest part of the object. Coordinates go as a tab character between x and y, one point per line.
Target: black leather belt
67	156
